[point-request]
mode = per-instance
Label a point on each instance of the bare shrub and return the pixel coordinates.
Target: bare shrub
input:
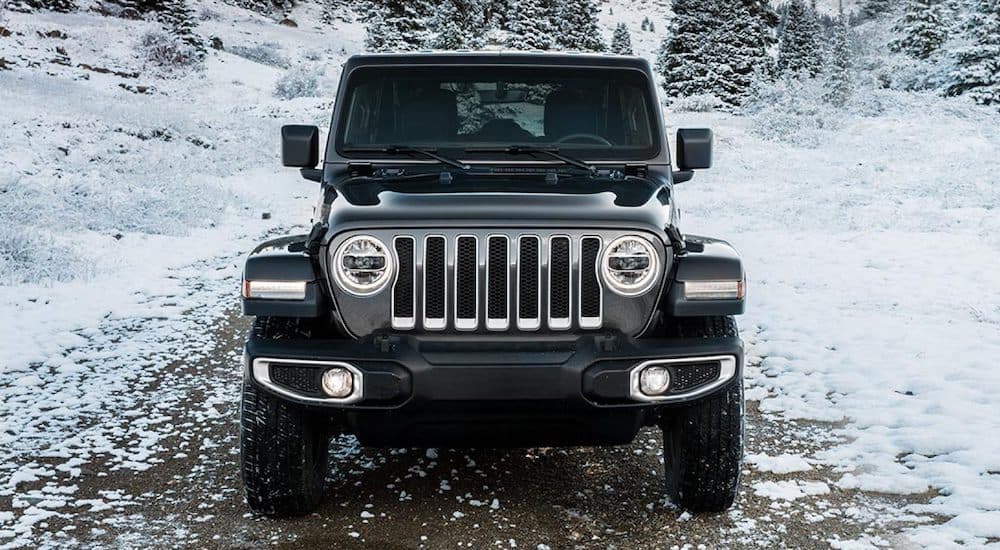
(296, 83)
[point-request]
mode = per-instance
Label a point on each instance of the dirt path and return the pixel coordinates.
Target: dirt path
(189, 492)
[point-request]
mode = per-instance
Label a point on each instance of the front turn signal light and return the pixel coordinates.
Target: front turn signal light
(274, 290)
(714, 290)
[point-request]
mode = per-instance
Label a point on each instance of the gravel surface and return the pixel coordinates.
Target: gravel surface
(187, 490)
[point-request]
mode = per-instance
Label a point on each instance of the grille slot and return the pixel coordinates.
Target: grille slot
(466, 283)
(403, 295)
(529, 274)
(497, 284)
(591, 300)
(559, 283)
(435, 283)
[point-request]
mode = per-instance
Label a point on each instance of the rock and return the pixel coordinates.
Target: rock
(130, 13)
(217, 43)
(288, 22)
(265, 216)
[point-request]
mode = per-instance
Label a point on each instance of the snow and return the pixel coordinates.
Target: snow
(790, 490)
(870, 235)
(872, 258)
(781, 464)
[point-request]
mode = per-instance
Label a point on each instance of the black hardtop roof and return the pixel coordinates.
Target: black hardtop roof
(520, 58)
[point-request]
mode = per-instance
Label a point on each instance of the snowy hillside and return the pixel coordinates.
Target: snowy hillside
(131, 189)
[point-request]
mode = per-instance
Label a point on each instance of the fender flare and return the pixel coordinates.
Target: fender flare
(284, 259)
(705, 259)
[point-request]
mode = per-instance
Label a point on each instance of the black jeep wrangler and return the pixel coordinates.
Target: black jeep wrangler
(494, 262)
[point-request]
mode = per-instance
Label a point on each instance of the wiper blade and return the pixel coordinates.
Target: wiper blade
(552, 152)
(407, 150)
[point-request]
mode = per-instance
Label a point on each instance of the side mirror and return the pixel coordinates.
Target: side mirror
(299, 146)
(694, 152)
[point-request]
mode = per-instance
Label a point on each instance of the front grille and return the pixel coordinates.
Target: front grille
(497, 282)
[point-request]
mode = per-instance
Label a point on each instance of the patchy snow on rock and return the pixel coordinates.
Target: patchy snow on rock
(790, 490)
(780, 464)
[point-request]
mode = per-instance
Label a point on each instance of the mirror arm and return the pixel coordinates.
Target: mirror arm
(312, 174)
(681, 176)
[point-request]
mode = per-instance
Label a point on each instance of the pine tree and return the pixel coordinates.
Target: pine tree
(31, 5)
(717, 48)
(681, 57)
(621, 41)
(922, 28)
(530, 25)
(458, 25)
(397, 25)
(652, 26)
(179, 20)
(838, 80)
(800, 50)
(645, 24)
(872, 9)
(577, 26)
(978, 70)
(333, 10)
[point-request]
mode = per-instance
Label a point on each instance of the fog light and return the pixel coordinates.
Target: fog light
(654, 380)
(338, 382)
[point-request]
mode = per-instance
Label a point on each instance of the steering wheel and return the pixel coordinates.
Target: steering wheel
(592, 137)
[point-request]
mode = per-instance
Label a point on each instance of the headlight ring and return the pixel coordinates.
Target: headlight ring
(630, 265)
(363, 265)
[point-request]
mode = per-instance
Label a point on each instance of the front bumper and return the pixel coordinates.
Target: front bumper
(405, 371)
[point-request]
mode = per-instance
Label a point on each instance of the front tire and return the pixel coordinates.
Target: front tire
(703, 441)
(283, 447)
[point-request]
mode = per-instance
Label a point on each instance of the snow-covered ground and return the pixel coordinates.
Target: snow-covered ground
(874, 273)
(872, 243)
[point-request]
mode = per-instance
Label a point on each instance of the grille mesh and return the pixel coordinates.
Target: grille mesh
(689, 377)
(527, 307)
(559, 291)
(590, 288)
(466, 270)
(304, 380)
(403, 291)
(498, 285)
(434, 270)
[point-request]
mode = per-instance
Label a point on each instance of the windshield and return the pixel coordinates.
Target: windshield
(589, 113)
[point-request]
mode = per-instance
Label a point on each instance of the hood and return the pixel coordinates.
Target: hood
(634, 203)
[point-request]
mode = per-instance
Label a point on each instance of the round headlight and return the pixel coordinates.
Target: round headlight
(630, 265)
(362, 265)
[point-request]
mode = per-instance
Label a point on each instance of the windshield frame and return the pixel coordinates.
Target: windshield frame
(645, 86)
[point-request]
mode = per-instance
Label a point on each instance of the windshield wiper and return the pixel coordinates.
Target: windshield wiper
(407, 150)
(552, 152)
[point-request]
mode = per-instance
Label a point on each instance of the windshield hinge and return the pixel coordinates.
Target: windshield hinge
(356, 169)
(638, 170)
